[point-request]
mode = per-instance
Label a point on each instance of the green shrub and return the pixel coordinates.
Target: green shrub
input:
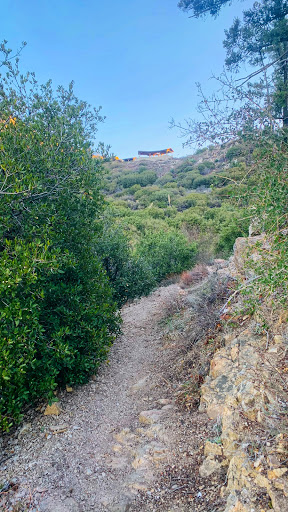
(203, 181)
(187, 180)
(268, 203)
(206, 167)
(170, 184)
(134, 189)
(143, 179)
(191, 200)
(166, 252)
(129, 275)
(227, 237)
(166, 178)
(58, 316)
(234, 152)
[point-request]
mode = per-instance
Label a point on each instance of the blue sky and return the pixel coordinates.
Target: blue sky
(139, 59)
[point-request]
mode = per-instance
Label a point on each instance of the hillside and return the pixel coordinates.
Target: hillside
(196, 195)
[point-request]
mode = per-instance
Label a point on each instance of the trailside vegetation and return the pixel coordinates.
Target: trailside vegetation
(253, 111)
(58, 315)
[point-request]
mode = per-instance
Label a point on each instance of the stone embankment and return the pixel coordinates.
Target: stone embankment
(246, 393)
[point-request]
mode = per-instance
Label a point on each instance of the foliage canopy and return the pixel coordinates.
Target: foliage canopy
(58, 316)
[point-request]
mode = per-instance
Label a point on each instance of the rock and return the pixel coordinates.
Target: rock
(240, 390)
(259, 417)
(149, 417)
(234, 353)
(258, 462)
(278, 339)
(58, 429)
(212, 449)
(282, 484)
(209, 466)
(25, 429)
(282, 443)
(273, 461)
(117, 448)
(246, 248)
(279, 502)
(249, 397)
(262, 481)
(124, 506)
(283, 318)
(52, 410)
(237, 506)
(215, 411)
(155, 431)
(276, 473)
(240, 251)
(139, 385)
(124, 435)
(239, 469)
(220, 364)
(164, 401)
(220, 262)
(273, 350)
(167, 407)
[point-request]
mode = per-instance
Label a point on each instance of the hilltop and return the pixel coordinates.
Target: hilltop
(159, 164)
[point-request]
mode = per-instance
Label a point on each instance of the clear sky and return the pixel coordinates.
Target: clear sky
(139, 59)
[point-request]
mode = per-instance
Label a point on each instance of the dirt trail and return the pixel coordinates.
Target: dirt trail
(109, 456)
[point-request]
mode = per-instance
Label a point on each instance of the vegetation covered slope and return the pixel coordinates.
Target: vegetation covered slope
(194, 196)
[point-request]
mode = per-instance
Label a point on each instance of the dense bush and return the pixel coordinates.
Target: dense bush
(166, 178)
(167, 252)
(206, 167)
(234, 152)
(268, 205)
(143, 178)
(203, 181)
(129, 275)
(190, 200)
(58, 316)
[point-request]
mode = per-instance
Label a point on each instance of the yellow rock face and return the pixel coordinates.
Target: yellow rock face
(276, 473)
(52, 410)
(220, 365)
(212, 449)
(240, 507)
(214, 411)
(234, 353)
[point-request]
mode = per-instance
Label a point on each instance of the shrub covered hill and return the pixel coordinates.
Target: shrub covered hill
(199, 197)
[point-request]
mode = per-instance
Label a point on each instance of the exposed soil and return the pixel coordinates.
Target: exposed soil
(102, 454)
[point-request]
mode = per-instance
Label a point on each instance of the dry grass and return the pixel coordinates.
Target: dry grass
(194, 328)
(190, 277)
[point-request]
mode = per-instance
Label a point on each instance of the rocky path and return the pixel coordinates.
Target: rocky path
(120, 443)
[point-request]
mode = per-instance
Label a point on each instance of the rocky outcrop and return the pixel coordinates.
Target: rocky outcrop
(246, 394)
